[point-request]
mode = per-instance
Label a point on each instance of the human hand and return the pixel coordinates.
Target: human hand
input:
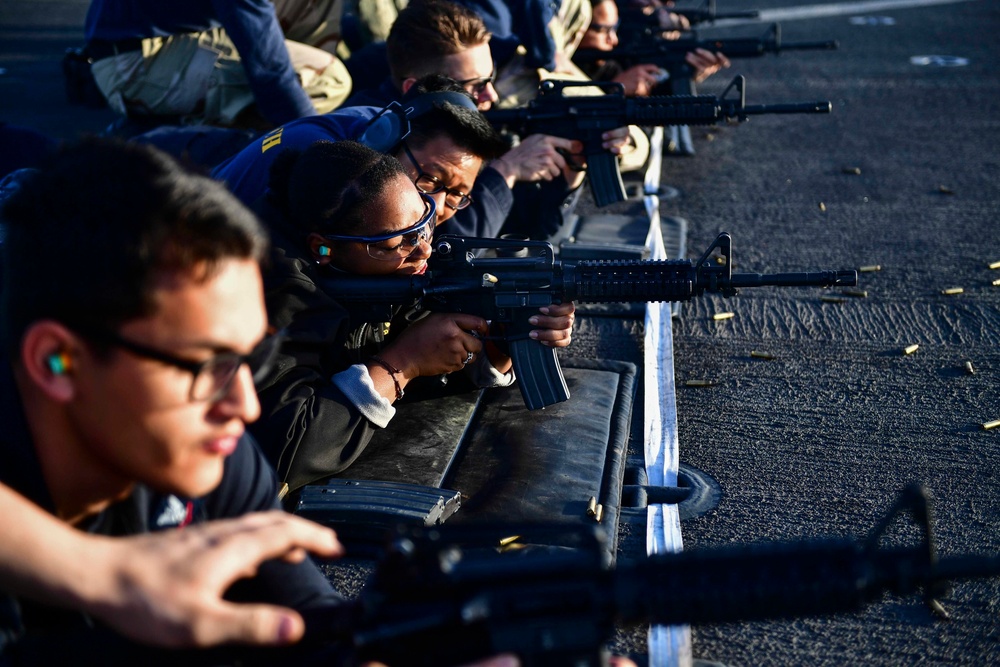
(639, 80)
(670, 21)
(437, 344)
(166, 588)
(555, 325)
(615, 140)
(705, 63)
(539, 157)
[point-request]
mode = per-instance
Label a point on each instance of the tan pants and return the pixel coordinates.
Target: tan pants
(311, 22)
(378, 16)
(200, 78)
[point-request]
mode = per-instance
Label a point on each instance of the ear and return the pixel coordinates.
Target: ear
(407, 84)
(316, 244)
(42, 342)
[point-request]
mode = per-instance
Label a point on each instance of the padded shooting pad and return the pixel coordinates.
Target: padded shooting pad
(631, 230)
(514, 464)
(544, 465)
(419, 443)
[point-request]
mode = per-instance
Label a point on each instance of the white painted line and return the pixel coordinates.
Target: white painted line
(669, 646)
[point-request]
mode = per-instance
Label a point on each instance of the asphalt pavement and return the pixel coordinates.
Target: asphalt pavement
(819, 440)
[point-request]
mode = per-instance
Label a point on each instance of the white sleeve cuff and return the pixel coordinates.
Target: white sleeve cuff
(482, 373)
(356, 384)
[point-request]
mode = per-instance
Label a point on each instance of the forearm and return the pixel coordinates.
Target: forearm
(48, 561)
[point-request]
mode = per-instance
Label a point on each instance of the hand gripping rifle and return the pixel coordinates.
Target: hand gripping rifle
(586, 118)
(445, 596)
(670, 54)
(508, 290)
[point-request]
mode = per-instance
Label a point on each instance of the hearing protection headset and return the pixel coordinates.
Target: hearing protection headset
(392, 124)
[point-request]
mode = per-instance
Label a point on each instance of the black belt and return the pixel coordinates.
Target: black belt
(102, 48)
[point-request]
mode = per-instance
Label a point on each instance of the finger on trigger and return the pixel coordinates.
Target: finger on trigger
(471, 322)
(563, 143)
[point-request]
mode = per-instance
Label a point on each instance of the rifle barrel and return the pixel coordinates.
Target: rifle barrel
(800, 107)
(842, 278)
(673, 280)
(703, 16)
(828, 45)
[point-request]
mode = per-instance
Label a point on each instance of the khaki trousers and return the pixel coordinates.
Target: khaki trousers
(200, 78)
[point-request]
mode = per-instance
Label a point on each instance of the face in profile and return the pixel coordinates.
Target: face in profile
(474, 70)
(141, 419)
(602, 34)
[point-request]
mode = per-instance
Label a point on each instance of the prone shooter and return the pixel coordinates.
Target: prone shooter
(669, 54)
(508, 290)
(586, 118)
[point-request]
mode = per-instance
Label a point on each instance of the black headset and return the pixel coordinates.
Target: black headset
(391, 125)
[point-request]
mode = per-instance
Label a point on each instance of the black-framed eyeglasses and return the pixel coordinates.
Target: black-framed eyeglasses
(477, 85)
(604, 28)
(213, 378)
(409, 238)
(456, 200)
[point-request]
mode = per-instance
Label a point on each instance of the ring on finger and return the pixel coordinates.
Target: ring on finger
(469, 358)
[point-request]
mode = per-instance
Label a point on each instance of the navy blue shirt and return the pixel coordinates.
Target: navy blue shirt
(250, 24)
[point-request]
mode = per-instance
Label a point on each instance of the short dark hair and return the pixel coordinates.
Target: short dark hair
(425, 31)
(90, 233)
(326, 187)
(468, 128)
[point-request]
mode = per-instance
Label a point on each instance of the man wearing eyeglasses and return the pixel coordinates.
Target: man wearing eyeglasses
(539, 171)
(128, 374)
(438, 37)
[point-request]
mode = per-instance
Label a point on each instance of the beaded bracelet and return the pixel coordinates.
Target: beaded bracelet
(392, 371)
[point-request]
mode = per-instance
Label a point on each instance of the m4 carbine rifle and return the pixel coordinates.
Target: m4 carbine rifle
(586, 118)
(508, 290)
(435, 601)
(670, 54)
